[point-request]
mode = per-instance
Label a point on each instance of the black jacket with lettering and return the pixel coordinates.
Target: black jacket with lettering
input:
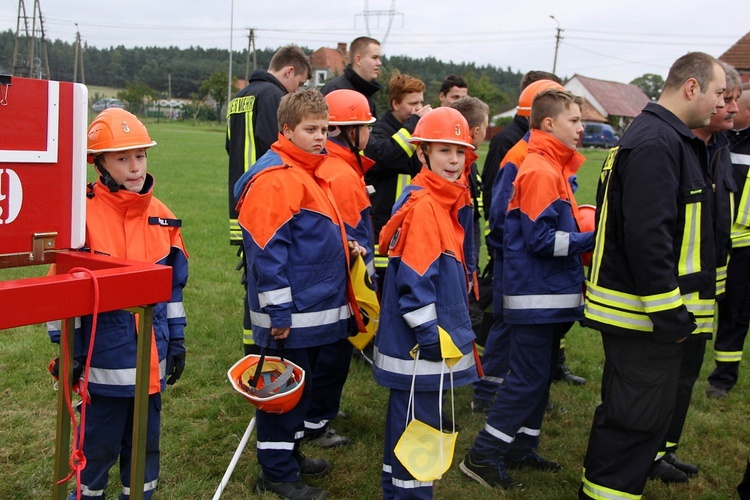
(653, 271)
(253, 127)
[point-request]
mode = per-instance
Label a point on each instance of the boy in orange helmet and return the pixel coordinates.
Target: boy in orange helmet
(119, 205)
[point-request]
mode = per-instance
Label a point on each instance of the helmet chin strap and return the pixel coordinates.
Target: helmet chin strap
(106, 177)
(354, 148)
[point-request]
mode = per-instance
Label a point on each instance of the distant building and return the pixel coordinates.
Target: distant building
(738, 55)
(328, 63)
(616, 103)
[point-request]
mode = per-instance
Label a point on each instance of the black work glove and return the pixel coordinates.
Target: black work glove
(175, 361)
(78, 364)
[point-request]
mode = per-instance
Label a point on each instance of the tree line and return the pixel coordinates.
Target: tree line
(154, 70)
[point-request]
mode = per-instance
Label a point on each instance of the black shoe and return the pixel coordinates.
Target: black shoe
(667, 473)
(293, 491)
(533, 461)
(481, 406)
(312, 467)
(689, 469)
(491, 476)
(563, 373)
(448, 424)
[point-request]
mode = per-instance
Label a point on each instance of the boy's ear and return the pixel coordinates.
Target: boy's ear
(286, 131)
(547, 124)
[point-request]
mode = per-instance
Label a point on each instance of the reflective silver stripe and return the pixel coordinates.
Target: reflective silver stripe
(275, 445)
(86, 492)
(601, 493)
(299, 435)
(740, 159)
(547, 301)
(728, 356)
(57, 324)
(402, 137)
(149, 486)
(387, 468)
(494, 380)
(370, 266)
(406, 366)
(315, 425)
(562, 243)
(498, 434)
(119, 377)
(304, 320)
(421, 316)
(529, 432)
(409, 485)
(275, 297)
(175, 310)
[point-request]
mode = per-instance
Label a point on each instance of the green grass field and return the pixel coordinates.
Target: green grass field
(203, 418)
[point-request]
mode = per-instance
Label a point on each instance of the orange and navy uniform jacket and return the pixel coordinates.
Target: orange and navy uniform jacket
(542, 270)
(135, 226)
(294, 250)
(346, 178)
(425, 286)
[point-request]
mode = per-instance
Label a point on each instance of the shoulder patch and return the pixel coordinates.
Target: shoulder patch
(394, 240)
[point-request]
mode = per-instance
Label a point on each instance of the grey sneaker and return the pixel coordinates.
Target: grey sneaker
(329, 439)
(293, 491)
(716, 392)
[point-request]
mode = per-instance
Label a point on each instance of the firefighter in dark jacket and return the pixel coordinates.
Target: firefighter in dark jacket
(653, 274)
(389, 147)
(361, 74)
(734, 310)
(253, 127)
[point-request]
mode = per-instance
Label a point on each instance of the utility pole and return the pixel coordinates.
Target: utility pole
(30, 66)
(558, 37)
(250, 46)
(78, 58)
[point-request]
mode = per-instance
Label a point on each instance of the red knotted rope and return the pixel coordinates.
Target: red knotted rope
(77, 458)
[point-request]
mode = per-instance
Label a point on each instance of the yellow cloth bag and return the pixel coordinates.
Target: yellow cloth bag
(426, 452)
(367, 299)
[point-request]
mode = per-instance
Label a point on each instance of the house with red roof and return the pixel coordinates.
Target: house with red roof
(328, 63)
(618, 103)
(738, 55)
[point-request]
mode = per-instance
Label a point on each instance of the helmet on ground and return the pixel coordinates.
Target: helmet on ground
(442, 124)
(531, 91)
(279, 386)
(348, 107)
(586, 223)
(115, 129)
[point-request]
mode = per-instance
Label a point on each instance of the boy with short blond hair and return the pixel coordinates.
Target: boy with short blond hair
(542, 290)
(298, 289)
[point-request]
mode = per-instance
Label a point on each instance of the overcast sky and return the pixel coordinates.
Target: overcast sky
(609, 39)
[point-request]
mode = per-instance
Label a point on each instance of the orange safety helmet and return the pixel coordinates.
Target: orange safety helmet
(442, 124)
(586, 223)
(531, 91)
(348, 107)
(279, 386)
(115, 129)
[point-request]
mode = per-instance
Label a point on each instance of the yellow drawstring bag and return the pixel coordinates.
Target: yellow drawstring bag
(426, 452)
(367, 299)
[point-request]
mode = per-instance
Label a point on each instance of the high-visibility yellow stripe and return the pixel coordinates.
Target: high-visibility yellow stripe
(599, 492)
(689, 261)
(603, 211)
(728, 356)
(247, 337)
(741, 226)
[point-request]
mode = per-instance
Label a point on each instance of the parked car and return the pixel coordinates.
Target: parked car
(599, 135)
(107, 102)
